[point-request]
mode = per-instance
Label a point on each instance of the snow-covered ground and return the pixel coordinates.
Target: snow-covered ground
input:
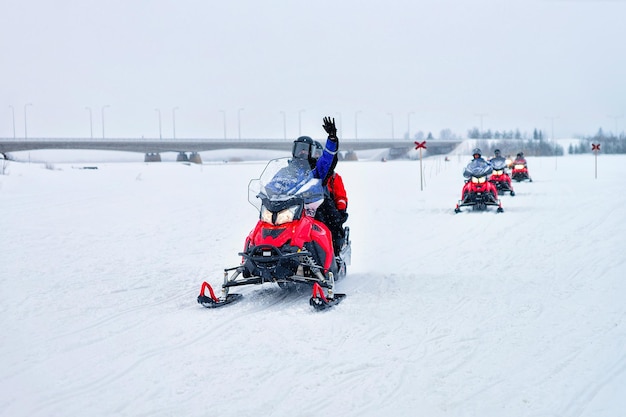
(474, 314)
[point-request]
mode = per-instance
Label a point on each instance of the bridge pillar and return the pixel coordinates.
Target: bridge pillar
(182, 157)
(350, 156)
(152, 157)
(195, 158)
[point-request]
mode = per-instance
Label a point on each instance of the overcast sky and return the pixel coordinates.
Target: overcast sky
(379, 67)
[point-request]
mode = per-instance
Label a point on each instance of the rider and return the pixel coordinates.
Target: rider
(332, 212)
(304, 149)
(497, 155)
(477, 161)
(500, 177)
(519, 159)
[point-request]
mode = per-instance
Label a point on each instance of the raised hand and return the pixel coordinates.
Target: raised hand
(330, 128)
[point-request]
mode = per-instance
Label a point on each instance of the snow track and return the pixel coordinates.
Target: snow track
(477, 313)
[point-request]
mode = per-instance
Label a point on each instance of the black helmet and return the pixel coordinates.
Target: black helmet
(497, 152)
(519, 155)
(477, 151)
(302, 147)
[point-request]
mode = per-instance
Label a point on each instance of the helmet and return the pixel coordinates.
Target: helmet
(318, 149)
(519, 155)
(302, 147)
(496, 152)
(476, 151)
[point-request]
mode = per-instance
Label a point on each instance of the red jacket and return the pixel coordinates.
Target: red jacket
(338, 191)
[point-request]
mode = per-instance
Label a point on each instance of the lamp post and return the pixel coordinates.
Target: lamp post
(159, 112)
(90, 121)
(356, 124)
(239, 123)
(284, 124)
(300, 122)
(102, 112)
(392, 133)
(13, 112)
(224, 113)
(174, 122)
(25, 123)
(408, 128)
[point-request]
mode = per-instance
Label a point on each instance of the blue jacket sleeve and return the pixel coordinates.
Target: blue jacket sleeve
(325, 161)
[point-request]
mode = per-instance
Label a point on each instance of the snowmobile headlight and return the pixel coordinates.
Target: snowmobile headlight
(283, 216)
(287, 215)
(498, 172)
(479, 180)
(519, 166)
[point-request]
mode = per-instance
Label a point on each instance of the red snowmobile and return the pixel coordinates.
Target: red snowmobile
(478, 192)
(520, 170)
(287, 246)
(499, 176)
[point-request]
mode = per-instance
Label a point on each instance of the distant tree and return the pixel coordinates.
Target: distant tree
(446, 134)
(473, 133)
(419, 135)
(430, 136)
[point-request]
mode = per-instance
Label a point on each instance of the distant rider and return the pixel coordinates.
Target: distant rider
(520, 160)
(499, 175)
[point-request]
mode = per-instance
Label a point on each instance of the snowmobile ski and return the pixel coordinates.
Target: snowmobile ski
(319, 301)
(212, 301)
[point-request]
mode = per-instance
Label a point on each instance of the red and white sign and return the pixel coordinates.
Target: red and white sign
(420, 145)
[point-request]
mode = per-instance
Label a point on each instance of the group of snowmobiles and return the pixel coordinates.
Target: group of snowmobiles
(485, 180)
(289, 246)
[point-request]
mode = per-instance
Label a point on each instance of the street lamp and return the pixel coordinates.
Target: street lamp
(26, 124)
(102, 112)
(284, 124)
(356, 124)
(90, 121)
(159, 112)
(408, 128)
(224, 113)
(300, 122)
(13, 111)
(174, 122)
(392, 134)
(239, 123)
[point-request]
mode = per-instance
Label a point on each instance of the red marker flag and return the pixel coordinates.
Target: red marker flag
(420, 145)
(595, 147)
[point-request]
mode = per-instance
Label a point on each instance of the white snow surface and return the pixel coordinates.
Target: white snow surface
(470, 314)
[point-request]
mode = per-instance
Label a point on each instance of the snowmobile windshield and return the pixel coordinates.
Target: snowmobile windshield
(285, 182)
(478, 168)
(498, 163)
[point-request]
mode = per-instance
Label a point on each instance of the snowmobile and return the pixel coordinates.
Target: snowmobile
(287, 246)
(519, 172)
(478, 192)
(500, 178)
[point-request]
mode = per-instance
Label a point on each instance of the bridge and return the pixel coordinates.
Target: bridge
(153, 147)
